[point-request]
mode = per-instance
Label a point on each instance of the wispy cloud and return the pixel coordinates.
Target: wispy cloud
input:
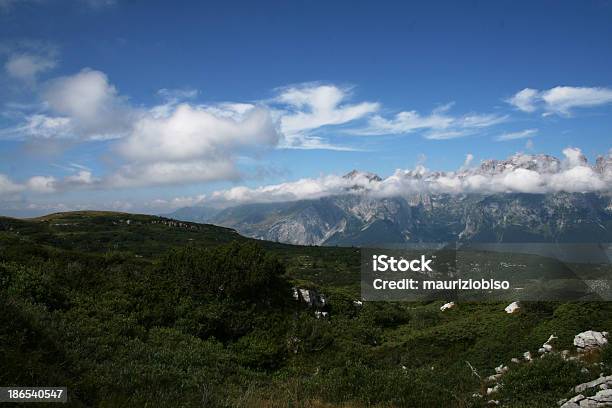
(439, 124)
(309, 107)
(560, 100)
(523, 134)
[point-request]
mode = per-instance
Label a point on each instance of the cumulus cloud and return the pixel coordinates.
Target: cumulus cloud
(439, 124)
(187, 143)
(522, 134)
(92, 105)
(560, 100)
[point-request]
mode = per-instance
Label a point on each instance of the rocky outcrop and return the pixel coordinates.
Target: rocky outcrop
(590, 340)
(602, 398)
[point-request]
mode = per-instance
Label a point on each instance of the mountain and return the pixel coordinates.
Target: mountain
(198, 214)
(361, 220)
(360, 215)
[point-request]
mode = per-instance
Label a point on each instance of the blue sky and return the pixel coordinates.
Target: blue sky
(130, 104)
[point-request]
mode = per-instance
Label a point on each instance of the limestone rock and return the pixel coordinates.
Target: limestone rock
(590, 339)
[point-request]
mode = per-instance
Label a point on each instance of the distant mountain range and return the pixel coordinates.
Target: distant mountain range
(355, 217)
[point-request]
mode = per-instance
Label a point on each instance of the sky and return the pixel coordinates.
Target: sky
(147, 106)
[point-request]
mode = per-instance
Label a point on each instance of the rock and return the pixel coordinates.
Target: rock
(493, 402)
(541, 350)
(311, 297)
(590, 339)
(585, 386)
(603, 398)
(513, 307)
(547, 348)
(492, 390)
(357, 303)
(527, 356)
(551, 338)
(502, 369)
(515, 360)
(494, 378)
(447, 306)
(573, 402)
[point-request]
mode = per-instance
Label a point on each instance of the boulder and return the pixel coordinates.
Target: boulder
(447, 306)
(513, 307)
(590, 340)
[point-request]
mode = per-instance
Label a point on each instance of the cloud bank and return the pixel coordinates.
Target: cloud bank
(521, 173)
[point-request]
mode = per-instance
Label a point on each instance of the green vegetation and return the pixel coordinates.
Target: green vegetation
(131, 310)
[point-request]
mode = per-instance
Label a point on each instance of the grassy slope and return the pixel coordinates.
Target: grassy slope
(355, 358)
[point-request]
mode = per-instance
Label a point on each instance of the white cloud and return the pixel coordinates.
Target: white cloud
(520, 173)
(525, 100)
(469, 158)
(574, 157)
(8, 187)
(26, 67)
(186, 143)
(523, 134)
(560, 100)
(91, 103)
(310, 107)
(42, 184)
(439, 124)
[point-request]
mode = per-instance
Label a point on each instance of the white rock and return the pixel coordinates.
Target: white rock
(590, 339)
(541, 350)
(573, 402)
(494, 377)
(513, 307)
(357, 303)
(551, 338)
(527, 356)
(547, 348)
(515, 360)
(447, 306)
(501, 369)
(585, 386)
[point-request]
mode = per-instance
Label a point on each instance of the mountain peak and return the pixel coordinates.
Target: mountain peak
(356, 173)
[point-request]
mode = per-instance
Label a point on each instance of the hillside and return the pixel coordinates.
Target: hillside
(134, 310)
